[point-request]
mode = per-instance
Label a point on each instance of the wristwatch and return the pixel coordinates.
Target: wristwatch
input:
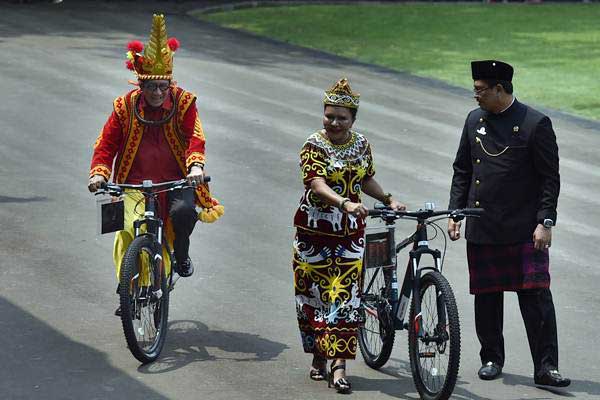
(548, 223)
(387, 199)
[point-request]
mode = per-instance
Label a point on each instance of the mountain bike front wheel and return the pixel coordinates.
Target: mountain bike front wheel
(144, 299)
(435, 354)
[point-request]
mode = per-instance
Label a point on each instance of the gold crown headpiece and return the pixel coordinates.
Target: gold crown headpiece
(342, 95)
(156, 61)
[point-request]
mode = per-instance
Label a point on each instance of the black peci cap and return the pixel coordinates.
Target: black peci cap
(491, 69)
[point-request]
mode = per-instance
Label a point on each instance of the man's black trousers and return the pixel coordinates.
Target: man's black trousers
(182, 210)
(537, 310)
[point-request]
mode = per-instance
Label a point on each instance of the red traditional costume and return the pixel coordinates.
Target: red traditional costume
(140, 142)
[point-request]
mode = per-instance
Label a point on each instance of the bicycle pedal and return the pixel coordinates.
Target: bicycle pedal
(427, 354)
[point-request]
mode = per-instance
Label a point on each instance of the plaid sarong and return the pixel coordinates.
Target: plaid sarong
(497, 268)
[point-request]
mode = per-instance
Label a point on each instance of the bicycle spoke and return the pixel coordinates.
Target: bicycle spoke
(433, 347)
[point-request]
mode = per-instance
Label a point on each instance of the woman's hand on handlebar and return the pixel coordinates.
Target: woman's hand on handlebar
(397, 206)
(453, 229)
(96, 182)
(356, 209)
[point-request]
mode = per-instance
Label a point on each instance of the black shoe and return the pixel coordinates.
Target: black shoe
(118, 311)
(552, 378)
(341, 385)
(489, 371)
(318, 369)
(185, 268)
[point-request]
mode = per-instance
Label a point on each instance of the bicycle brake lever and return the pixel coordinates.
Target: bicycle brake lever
(457, 217)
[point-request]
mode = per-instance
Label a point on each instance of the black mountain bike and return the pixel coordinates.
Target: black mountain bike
(433, 324)
(144, 285)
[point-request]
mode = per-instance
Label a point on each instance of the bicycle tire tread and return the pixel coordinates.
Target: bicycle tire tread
(442, 285)
(127, 269)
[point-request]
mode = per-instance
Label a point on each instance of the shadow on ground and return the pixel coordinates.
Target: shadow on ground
(39, 362)
(191, 341)
(33, 199)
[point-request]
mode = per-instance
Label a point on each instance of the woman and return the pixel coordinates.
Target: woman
(336, 166)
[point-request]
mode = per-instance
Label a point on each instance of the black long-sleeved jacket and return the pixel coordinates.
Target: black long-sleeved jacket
(506, 163)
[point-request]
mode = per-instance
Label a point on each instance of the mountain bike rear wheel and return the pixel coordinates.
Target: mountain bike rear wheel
(144, 299)
(435, 356)
(376, 335)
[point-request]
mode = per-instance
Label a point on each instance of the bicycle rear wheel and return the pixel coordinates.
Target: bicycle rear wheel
(435, 357)
(376, 335)
(144, 308)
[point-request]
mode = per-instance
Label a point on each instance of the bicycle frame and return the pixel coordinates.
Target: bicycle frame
(154, 226)
(412, 278)
(410, 285)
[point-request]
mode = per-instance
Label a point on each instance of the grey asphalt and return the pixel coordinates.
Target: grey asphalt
(233, 332)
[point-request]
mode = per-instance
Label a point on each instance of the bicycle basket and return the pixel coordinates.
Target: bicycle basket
(379, 250)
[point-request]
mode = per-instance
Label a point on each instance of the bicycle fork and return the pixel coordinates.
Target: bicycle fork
(411, 286)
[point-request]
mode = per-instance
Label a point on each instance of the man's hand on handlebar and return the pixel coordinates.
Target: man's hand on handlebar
(453, 229)
(96, 182)
(196, 176)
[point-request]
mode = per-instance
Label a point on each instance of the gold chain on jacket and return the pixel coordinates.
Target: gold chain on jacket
(478, 140)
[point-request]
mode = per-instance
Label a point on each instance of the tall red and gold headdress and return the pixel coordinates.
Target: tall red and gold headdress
(155, 61)
(341, 95)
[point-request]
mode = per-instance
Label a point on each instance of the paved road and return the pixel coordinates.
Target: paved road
(233, 333)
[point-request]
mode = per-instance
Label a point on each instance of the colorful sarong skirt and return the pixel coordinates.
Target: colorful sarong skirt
(327, 283)
(497, 268)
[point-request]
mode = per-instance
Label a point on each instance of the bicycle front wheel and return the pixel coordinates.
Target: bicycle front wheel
(435, 355)
(144, 300)
(376, 334)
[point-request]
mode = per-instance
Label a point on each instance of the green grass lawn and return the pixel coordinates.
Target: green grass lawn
(555, 48)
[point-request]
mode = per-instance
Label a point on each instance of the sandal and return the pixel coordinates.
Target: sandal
(342, 385)
(318, 369)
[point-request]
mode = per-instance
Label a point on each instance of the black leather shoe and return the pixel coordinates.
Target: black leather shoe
(552, 378)
(186, 268)
(489, 371)
(118, 312)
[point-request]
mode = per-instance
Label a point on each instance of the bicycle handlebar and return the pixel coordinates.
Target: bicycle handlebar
(456, 215)
(148, 185)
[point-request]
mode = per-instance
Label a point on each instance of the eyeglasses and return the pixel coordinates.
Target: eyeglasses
(151, 86)
(479, 91)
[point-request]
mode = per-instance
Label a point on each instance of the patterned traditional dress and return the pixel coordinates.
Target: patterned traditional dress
(329, 246)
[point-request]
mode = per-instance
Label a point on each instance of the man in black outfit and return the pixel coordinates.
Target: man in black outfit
(507, 163)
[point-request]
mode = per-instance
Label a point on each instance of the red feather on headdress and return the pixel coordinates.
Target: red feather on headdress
(129, 65)
(135, 46)
(173, 44)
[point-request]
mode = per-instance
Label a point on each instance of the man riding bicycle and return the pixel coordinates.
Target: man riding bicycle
(154, 133)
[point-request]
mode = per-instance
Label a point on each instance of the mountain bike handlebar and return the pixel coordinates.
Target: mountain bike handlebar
(149, 186)
(422, 215)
